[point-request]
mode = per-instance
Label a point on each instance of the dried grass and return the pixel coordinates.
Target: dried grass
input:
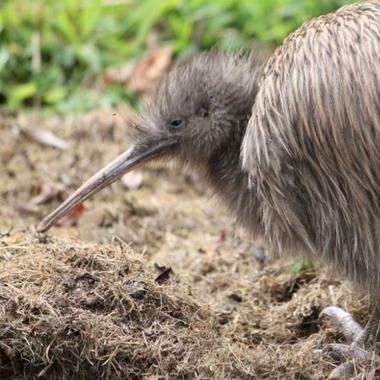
(85, 310)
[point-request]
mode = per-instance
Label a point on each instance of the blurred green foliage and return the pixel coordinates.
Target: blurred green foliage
(301, 266)
(77, 39)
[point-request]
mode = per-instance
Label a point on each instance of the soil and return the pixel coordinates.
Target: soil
(155, 282)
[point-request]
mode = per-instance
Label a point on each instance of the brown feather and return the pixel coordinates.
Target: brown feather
(312, 145)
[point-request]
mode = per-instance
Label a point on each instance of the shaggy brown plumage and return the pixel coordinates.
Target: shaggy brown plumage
(312, 146)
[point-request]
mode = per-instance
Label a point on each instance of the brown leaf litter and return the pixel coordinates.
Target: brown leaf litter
(42, 137)
(142, 75)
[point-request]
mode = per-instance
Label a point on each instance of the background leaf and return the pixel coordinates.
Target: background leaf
(79, 40)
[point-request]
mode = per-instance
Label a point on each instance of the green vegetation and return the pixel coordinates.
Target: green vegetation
(52, 51)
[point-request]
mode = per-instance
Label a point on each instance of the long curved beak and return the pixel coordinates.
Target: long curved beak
(132, 158)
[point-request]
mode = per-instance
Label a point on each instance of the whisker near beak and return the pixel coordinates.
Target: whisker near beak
(127, 161)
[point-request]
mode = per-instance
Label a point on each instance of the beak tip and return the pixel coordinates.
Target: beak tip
(42, 227)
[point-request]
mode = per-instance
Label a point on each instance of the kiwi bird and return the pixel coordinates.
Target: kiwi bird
(291, 145)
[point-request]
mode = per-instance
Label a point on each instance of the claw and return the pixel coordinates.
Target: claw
(341, 352)
(344, 371)
(343, 322)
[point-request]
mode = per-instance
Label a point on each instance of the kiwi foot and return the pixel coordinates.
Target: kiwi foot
(359, 350)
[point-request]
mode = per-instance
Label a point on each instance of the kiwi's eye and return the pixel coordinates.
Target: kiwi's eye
(176, 123)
